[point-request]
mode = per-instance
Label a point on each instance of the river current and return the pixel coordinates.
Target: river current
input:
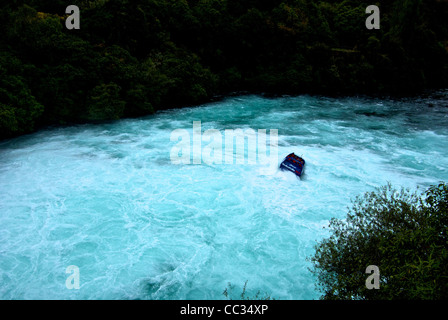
(108, 199)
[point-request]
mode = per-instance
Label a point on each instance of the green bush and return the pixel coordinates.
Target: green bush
(162, 54)
(403, 233)
(105, 103)
(19, 109)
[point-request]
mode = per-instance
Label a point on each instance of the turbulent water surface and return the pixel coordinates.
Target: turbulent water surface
(107, 198)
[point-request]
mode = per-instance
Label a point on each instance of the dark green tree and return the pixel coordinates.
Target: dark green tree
(405, 234)
(105, 103)
(19, 109)
(162, 54)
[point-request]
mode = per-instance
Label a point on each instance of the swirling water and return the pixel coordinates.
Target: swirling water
(107, 199)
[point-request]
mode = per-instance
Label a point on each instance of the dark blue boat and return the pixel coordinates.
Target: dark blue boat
(293, 163)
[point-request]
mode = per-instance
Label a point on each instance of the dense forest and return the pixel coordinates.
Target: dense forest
(132, 58)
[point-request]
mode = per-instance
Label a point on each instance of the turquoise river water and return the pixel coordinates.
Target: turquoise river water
(108, 199)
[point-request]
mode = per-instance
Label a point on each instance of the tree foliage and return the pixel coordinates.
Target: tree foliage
(159, 54)
(405, 234)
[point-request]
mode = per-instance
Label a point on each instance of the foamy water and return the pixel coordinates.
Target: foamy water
(107, 199)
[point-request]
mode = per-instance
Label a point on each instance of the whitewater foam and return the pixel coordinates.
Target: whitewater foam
(107, 198)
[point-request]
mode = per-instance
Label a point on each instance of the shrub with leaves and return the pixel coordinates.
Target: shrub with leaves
(403, 233)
